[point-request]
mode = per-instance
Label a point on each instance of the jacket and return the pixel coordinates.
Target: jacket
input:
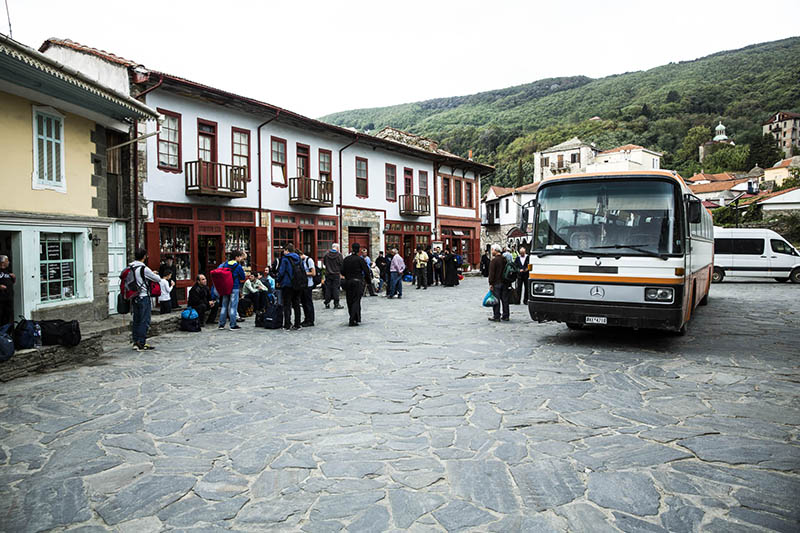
(333, 262)
(522, 264)
(354, 267)
(496, 267)
(421, 260)
(199, 295)
(252, 286)
(285, 270)
(6, 279)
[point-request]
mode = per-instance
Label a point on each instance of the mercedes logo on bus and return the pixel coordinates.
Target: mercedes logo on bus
(597, 292)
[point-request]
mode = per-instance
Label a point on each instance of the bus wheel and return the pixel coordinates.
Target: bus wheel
(795, 275)
(781, 280)
(718, 275)
(574, 325)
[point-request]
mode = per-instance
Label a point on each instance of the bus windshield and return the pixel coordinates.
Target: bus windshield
(623, 217)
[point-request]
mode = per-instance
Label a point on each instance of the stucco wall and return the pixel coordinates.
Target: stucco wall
(16, 138)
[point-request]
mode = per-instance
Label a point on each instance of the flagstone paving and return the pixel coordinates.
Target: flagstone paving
(427, 417)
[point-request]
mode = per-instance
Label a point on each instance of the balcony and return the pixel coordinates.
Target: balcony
(310, 192)
(207, 178)
(489, 220)
(415, 205)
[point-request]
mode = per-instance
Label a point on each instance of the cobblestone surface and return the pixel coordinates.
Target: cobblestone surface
(425, 418)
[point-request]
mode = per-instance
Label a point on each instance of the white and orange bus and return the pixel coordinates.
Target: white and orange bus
(633, 249)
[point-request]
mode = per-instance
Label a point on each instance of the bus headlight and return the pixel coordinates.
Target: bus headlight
(659, 294)
(544, 289)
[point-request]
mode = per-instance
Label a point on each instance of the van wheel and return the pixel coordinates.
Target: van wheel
(718, 275)
(795, 275)
(574, 325)
(781, 280)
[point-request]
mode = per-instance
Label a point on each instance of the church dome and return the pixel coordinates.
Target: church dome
(720, 129)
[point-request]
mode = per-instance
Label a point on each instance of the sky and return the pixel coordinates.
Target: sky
(319, 57)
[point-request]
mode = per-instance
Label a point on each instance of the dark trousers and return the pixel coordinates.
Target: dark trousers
(522, 285)
(332, 285)
(354, 288)
(437, 273)
(202, 309)
(140, 308)
(502, 292)
(165, 308)
(6, 312)
(422, 277)
(259, 300)
(369, 287)
(291, 301)
(308, 305)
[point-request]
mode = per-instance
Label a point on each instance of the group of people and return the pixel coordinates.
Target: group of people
(506, 285)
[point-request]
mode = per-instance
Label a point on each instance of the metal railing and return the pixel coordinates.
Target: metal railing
(311, 192)
(208, 178)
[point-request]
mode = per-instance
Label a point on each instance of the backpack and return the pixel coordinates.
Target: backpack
(299, 276)
(316, 278)
(273, 317)
(6, 343)
(459, 260)
(189, 314)
(24, 334)
(222, 278)
(191, 325)
(63, 332)
(510, 272)
(129, 290)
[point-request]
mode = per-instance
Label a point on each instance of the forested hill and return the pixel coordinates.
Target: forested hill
(671, 108)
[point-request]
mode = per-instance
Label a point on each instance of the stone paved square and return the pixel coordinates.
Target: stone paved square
(425, 418)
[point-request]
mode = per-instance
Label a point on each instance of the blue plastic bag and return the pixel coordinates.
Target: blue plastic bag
(490, 300)
(189, 314)
(408, 277)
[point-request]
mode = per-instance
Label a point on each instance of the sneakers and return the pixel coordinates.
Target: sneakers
(143, 347)
(221, 327)
(493, 319)
(235, 327)
(339, 307)
(327, 306)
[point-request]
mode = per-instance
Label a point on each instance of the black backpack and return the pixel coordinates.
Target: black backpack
(273, 317)
(24, 334)
(191, 325)
(299, 276)
(6, 342)
(63, 332)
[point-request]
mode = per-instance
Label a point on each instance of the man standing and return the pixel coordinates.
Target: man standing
(396, 269)
(485, 259)
(522, 261)
(421, 268)
(333, 276)
(497, 285)
(200, 300)
(290, 297)
(140, 277)
(355, 271)
(230, 302)
(383, 269)
(7, 280)
(306, 296)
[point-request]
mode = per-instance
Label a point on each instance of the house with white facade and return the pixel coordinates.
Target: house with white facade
(575, 156)
(628, 157)
(785, 127)
(502, 209)
(227, 172)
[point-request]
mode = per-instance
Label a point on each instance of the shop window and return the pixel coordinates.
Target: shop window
(209, 213)
(176, 242)
(326, 222)
(325, 239)
(239, 216)
(280, 238)
(393, 241)
(57, 266)
(284, 219)
(48, 150)
(278, 161)
(238, 239)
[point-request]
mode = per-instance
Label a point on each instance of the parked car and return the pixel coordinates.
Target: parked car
(754, 253)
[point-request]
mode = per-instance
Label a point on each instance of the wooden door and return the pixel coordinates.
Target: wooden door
(207, 154)
(209, 254)
(409, 251)
(362, 239)
(116, 262)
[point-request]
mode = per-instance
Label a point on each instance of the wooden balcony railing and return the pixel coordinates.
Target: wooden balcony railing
(310, 192)
(206, 178)
(415, 205)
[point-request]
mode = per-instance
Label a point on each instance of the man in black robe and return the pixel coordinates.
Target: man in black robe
(354, 272)
(450, 269)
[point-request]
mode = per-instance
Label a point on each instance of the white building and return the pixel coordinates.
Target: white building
(785, 127)
(501, 214)
(628, 157)
(575, 156)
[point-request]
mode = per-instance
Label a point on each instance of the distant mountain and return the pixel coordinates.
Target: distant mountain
(654, 108)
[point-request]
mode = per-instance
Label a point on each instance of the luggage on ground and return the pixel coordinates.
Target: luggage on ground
(245, 307)
(273, 316)
(261, 319)
(6, 342)
(190, 320)
(63, 332)
(24, 334)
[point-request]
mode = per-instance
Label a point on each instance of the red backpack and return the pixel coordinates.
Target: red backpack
(131, 290)
(222, 279)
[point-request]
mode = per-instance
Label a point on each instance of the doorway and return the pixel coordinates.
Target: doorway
(408, 250)
(116, 262)
(208, 253)
(10, 245)
(307, 242)
(361, 236)
(207, 153)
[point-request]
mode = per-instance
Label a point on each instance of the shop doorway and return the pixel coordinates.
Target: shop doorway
(408, 251)
(208, 253)
(307, 242)
(10, 246)
(361, 236)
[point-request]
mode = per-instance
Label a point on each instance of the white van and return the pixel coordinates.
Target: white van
(754, 253)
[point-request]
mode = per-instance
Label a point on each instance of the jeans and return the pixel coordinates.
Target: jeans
(501, 291)
(422, 277)
(228, 308)
(141, 308)
(396, 284)
(332, 284)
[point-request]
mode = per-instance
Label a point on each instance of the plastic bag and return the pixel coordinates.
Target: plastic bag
(490, 300)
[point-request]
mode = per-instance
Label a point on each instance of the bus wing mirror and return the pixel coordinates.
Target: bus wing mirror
(695, 211)
(523, 220)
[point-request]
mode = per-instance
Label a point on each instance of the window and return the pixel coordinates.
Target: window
(240, 143)
(560, 160)
(723, 246)
(206, 140)
(362, 177)
(325, 239)
(278, 161)
(303, 160)
(169, 142)
(468, 194)
(48, 150)
(325, 165)
(506, 205)
(445, 191)
(545, 161)
(575, 158)
(423, 183)
(781, 247)
(408, 181)
(176, 242)
(391, 182)
(280, 238)
(57, 266)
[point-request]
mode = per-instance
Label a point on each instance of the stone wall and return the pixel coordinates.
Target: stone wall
(362, 218)
(27, 361)
(495, 234)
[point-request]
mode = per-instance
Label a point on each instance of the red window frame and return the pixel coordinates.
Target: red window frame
(273, 162)
(306, 156)
(408, 181)
(177, 169)
(423, 178)
(458, 193)
(468, 194)
(326, 176)
(234, 131)
(365, 178)
(445, 191)
(214, 147)
(393, 196)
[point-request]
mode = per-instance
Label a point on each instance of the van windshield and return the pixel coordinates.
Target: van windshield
(626, 217)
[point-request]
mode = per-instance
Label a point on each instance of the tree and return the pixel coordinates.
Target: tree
(520, 174)
(673, 96)
(727, 158)
(693, 139)
(764, 152)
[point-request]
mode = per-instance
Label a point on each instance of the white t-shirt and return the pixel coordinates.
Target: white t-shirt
(165, 288)
(308, 265)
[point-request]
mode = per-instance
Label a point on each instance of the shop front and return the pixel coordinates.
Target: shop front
(463, 238)
(199, 238)
(406, 236)
(314, 234)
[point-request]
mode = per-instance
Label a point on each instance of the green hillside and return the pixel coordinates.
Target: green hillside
(672, 109)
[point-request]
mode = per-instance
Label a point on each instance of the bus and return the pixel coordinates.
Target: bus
(630, 249)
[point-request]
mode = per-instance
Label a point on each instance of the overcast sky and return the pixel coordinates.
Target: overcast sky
(318, 57)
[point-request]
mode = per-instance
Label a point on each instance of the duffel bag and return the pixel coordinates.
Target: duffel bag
(6, 343)
(273, 317)
(191, 325)
(261, 319)
(63, 332)
(24, 333)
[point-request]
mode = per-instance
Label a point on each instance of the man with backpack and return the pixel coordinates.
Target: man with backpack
(291, 281)
(499, 285)
(138, 282)
(306, 299)
(230, 302)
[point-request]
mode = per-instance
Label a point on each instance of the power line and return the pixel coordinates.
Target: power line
(8, 14)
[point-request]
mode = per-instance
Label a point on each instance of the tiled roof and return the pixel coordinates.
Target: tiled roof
(501, 191)
(710, 204)
(722, 176)
(767, 196)
(570, 144)
(530, 187)
(790, 162)
(716, 186)
(783, 114)
(625, 148)
(102, 54)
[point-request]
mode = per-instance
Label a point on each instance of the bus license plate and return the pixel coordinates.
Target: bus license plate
(596, 320)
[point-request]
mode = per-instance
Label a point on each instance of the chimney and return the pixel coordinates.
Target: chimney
(470, 155)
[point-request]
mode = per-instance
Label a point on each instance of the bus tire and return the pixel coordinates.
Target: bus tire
(795, 275)
(718, 275)
(781, 280)
(574, 326)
